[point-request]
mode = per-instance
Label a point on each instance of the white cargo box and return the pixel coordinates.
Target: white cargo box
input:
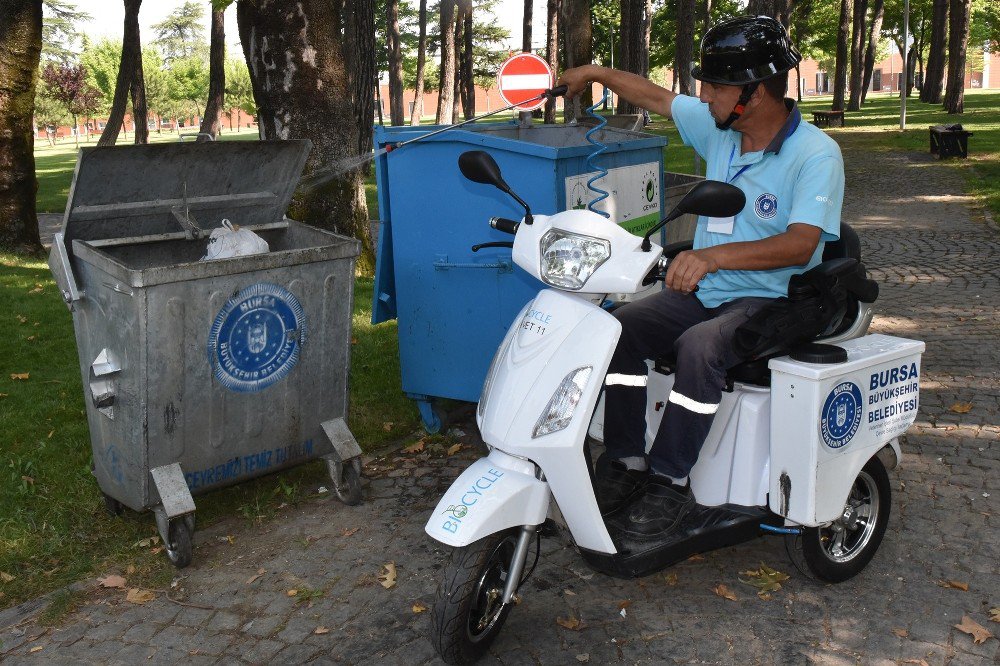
(829, 419)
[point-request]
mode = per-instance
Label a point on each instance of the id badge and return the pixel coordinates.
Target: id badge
(721, 225)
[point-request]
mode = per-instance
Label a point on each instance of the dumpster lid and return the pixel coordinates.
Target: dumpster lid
(145, 190)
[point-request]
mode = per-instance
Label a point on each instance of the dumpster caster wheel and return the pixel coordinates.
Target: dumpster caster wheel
(181, 547)
(348, 486)
(113, 506)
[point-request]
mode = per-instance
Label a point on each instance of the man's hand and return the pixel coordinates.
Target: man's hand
(576, 80)
(688, 268)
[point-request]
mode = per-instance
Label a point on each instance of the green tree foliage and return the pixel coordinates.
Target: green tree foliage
(488, 52)
(239, 90)
(101, 60)
(182, 35)
(61, 38)
(985, 26)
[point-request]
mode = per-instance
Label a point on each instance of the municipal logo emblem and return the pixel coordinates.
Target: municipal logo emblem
(256, 338)
(841, 415)
(766, 206)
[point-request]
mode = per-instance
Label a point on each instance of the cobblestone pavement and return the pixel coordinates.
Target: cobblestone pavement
(938, 265)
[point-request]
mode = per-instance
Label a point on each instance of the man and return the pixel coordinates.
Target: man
(793, 177)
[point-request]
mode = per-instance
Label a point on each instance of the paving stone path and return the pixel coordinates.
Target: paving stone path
(939, 267)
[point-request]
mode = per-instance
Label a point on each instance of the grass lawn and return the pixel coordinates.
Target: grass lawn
(53, 527)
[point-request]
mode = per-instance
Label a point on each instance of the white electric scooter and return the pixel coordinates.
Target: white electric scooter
(800, 449)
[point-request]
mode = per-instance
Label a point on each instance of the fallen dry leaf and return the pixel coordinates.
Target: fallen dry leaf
(902, 633)
(6, 577)
(253, 579)
(570, 593)
(583, 658)
(22, 319)
(697, 557)
(146, 543)
(765, 579)
(292, 593)
(570, 623)
(37, 648)
(19, 376)
(995, 615)
(954, 584)
(113, 582)
(978, 632)
(348, 532)
(387, 578)
(137, 596)
(36, 290)
(919, 662)
(387, 426)
(418, 607)
(961, 407)
(670, 579)
(415, 448)
(455, 448)
(724, 592)
(319, 631)
(129, 570)
(622, 605)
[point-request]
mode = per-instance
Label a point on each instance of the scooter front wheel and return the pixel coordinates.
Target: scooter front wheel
(841, 550)
(469, 611)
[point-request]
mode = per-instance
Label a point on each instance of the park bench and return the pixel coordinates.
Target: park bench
(949, 141)
(824, 117)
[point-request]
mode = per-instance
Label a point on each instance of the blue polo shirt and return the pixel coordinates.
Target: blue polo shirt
(797, 178)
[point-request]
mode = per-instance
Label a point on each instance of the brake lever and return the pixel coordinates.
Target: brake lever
(480, 246)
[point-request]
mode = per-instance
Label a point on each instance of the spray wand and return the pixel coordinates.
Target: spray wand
(558, 91)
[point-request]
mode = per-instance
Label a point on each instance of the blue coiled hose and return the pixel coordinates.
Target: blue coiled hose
(591, 159)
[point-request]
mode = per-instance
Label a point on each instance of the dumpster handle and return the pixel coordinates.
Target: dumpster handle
(499, 266)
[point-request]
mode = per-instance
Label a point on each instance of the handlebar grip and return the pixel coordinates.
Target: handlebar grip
(504, 225)
(558, 91)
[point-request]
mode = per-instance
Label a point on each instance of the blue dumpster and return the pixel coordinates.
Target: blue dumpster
(454, 305)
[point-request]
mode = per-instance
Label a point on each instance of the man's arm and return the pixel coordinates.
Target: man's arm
(639, 91)
(793, 247)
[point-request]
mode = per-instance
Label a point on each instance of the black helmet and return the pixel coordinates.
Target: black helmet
(745, 50)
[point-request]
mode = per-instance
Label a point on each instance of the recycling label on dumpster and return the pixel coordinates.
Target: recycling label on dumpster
(634, 201)
(256, 338)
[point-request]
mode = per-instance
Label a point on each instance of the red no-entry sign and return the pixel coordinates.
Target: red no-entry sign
(523, 77)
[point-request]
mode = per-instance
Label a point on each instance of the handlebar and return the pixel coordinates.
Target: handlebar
(505, 225)
(558, 91)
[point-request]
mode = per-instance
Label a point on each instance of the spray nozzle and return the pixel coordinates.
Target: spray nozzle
(558, 91)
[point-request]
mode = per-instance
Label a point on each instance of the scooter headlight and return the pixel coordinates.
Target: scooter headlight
(568, 259)
(559, 412)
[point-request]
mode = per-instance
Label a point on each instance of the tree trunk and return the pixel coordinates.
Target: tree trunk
(873, 37)
(312, 72)
(446, 87)
(20, 50)
(456, 98)
(857, 54)
(578, 45)
(911, 67)
(840, 70)
(526, 26)
(358, 20)
(468, 75)
(958, 39)
(396, 114)
(418, 98)
(211, 122)
(131, 58)
(930, 90)
(779, 9)
(140, 111)
(685, 45)
(552, 51)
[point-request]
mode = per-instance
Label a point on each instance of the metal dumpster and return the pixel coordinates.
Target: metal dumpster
(454, 305)
(675, 186)
(199, 374)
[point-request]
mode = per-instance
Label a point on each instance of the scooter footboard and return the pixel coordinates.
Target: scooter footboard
(495, 493)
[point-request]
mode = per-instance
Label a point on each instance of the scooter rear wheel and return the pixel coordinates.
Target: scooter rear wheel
(469, 611)
(841, 550)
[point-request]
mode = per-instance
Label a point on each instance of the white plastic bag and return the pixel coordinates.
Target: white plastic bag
(231, 241)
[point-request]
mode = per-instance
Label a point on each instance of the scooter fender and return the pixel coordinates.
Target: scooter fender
(494, 494)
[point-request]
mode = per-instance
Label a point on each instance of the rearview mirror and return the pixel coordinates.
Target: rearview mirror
(478, 166)
(711, 198)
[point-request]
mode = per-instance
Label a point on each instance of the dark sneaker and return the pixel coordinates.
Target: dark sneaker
(617, 485)
(660, 510)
